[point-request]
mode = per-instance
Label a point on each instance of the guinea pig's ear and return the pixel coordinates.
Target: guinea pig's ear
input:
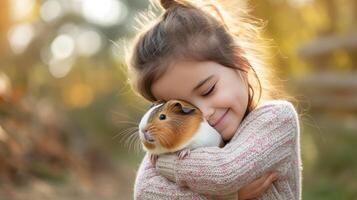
(185, 109)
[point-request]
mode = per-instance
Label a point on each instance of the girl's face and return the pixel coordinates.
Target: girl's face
(218, 91)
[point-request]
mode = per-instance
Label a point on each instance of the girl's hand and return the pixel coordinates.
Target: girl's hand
(257, 187)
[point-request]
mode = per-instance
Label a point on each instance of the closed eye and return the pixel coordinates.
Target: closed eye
(209, 91)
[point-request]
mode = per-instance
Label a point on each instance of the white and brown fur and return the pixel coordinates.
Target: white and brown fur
(183, 129)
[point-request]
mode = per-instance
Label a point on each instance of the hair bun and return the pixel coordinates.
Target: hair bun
(166, 4)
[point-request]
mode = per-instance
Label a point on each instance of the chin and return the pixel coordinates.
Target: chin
(229, 132)
(227, 135)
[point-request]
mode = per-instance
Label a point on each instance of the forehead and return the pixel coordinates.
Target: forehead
(180, 79)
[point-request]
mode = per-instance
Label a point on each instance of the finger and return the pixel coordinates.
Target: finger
(259, 186)
(153, 159)
(268, 183)
(260, 181)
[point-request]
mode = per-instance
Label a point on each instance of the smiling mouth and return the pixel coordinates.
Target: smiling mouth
(221, 118)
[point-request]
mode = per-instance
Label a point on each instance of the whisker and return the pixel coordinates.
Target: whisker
(128, 142)
(123, 132)
(137, 144)
(124, 135)
(127, 122)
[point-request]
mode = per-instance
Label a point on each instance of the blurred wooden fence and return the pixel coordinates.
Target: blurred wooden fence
(330, 91)
(328, 87)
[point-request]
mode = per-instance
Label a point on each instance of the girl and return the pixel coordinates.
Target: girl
(195, 53)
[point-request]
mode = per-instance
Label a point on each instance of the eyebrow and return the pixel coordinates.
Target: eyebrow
(202, 82)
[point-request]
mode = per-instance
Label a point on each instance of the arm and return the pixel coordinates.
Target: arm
(263, 142)
(150, 185)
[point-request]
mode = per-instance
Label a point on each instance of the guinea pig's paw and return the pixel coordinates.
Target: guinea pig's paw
(153, 159)
(183, 153)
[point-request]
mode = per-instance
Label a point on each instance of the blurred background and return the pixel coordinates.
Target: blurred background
(65, 103)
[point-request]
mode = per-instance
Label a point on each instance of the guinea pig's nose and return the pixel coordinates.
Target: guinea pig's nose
(148, 136)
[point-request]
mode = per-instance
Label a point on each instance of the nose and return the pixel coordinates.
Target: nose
(206, 110)
(148, 137)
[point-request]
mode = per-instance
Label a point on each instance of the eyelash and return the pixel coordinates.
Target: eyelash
(210, 90)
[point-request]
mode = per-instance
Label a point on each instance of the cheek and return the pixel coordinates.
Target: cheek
(238, 102)
(231, 129)
(234, 98)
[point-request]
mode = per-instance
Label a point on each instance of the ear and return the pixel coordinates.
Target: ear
(185, 109)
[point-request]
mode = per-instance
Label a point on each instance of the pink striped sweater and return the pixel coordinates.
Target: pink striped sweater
(267, 140)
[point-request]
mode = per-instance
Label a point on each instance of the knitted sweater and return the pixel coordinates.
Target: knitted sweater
(266, 140)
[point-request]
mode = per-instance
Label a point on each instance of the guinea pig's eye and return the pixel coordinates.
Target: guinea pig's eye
(162, 117)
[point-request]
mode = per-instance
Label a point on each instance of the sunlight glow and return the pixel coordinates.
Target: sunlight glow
(299, 3)
(104, 12)
(21, 9)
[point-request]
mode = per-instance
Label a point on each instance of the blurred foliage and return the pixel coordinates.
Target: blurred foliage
(65, 100)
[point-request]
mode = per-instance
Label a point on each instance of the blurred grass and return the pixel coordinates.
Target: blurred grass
(333, 173)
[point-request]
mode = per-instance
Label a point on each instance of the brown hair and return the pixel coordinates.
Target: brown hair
(200, 32)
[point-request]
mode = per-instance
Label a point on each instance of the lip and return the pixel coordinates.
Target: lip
(145, 137)
(215, 125)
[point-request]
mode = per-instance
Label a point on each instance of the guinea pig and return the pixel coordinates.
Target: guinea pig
(175, 126)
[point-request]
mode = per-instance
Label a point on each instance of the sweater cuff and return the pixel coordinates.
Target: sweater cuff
(165, 165)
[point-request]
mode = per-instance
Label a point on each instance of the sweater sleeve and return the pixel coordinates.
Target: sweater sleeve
(151, 185)
(263, 142)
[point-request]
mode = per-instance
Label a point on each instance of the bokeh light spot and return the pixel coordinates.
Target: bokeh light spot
(20, 36)
(88, 43)
(50, 10)
(60, 68)
(62, 46)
